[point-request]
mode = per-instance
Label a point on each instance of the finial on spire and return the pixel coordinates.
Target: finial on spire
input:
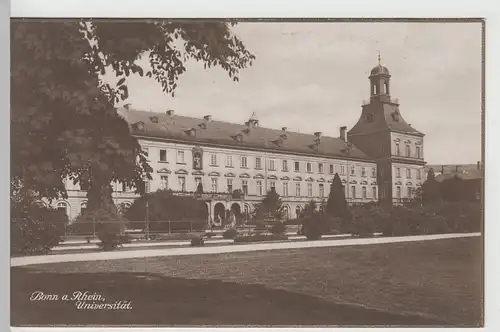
(378, 57)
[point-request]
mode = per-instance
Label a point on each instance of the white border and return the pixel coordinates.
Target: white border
(318, 9)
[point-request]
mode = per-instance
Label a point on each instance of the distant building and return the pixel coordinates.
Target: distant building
(237, 164)
(471, 174)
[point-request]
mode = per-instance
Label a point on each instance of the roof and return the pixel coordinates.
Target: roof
(379, 70)
(176, 127)
(386, 117)
(465, 172)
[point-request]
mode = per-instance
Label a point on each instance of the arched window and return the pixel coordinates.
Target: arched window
(363, 191)
(83, 207)
(353, 191)
(297, 212)
(62, 206)
(386, 88)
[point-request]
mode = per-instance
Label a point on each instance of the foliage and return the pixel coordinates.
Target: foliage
(270, 208)
(313, 228)
(431, 192)
(231, 233)
(278, 228)
(63, 120)
(35, 228)
(260, 238)
(337, 204)
(186, 213)
(197, 241)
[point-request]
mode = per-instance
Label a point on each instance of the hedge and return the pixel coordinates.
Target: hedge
(260, 238)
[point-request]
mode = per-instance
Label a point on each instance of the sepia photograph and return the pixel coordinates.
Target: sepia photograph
(246, 172)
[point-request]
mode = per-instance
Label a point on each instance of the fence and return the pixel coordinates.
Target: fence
(91, 227)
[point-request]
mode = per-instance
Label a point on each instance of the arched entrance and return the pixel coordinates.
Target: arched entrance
(219, 214)
(236, 213)
(286, 212)
(297, 212)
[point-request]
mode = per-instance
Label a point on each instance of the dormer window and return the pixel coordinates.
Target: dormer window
(246, 130)
(139, 126)
(238, 138)
(190, 132)
(203, 125)
(154, 119)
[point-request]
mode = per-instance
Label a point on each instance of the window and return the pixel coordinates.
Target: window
(342, 170)
(180, 157)
(407, 150)
(215, 185)
(353, 192)
(259, 188)
(363, 172)
(146, 186)
(409, 191)
(272, 166)
(297, 166)
(309, 189)
(398, 192)
(83, 207)
(244, 186)
(197, 181)
(297, 189)
(164, 182)
(418, 152)
(62, 206)
(163, 155)
(308, 168)
(353, 170)
(273, 185)
(397, 149)
(230, 185)
(398, 172)
(363, 192)
(321, 190)
(258, 163)
(374, 172)
(419, 174)
(213, 159)
(285, 189)
(332, 169)
(182, 183)
(374, 192)
(244, 162)
(229, 161)
(320, 168)
(408, 173)
(285, 165)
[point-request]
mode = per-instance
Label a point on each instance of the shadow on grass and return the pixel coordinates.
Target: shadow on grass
(168, 301)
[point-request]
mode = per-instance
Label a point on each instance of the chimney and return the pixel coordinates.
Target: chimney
(456, 168)
(318, 134)
(170, 112)
(126, 106)
(343, 131)
(207, 118)
(284, 129)
(479, 165)
(442, 169)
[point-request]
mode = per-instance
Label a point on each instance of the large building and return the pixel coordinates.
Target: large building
(380, 158)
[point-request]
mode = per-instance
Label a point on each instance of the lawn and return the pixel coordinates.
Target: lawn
(415, 283)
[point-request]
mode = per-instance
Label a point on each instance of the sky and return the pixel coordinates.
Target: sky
(312, 76)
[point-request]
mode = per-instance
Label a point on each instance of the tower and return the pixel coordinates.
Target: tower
(383, 134)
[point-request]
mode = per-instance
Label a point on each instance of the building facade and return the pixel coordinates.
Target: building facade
(237, 164)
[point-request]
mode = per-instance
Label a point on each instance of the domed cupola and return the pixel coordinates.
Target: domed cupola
(379, 83)
(379, 70)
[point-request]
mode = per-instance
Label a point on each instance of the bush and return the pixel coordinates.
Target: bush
(278, 229)
(260, 238)
(36, 229)
(230, 233)
(293, 222)
(197, 241)
(210, 234)
(313, 228)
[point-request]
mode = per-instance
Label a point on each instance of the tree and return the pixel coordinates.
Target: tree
(431, 192)
(63, 120)
(164, 206)
(336, 205)
(270, 207)
(453, 190)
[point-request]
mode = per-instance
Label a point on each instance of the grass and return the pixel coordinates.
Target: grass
(416, 283)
